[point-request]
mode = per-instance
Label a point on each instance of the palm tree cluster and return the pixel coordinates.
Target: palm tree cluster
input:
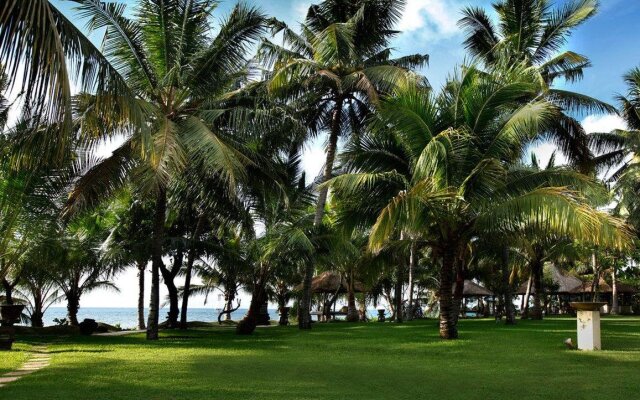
(422, 188)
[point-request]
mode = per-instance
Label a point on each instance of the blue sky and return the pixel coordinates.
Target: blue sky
(610, 39)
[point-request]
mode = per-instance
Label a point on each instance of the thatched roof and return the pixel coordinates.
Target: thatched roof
(565, 283)
(331, 282)
(472, 289)
(604, 287)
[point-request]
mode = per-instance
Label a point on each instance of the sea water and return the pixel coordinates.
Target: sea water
(128, 317)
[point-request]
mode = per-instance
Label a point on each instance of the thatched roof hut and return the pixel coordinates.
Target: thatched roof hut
(331, 282)
(604, 287)
(565, 283)
(472, 289)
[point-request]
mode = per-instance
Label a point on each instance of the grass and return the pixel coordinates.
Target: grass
(11, 360)
(343, 361)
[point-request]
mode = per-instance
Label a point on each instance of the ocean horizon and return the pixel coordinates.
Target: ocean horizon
(127, 317)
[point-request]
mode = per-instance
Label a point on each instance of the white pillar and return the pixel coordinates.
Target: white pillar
(589, 330)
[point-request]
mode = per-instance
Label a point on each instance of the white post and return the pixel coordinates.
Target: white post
(589, 330)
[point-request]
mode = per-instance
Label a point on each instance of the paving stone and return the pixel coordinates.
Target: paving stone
(7, 379)
(19, 373)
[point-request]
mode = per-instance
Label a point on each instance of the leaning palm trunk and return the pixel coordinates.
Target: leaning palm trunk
(258, 297)
(304, 317)
(448, 328)
(141, 268)
(158, 238)
(525, 299)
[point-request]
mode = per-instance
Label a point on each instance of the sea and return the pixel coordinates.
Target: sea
(127, 318)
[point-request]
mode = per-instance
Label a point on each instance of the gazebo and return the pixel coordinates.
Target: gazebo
(586, 289)
(475, 291)
(331, 284)
(564, 284)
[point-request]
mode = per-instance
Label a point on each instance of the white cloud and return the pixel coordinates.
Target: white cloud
(603, 123)
(434, 18)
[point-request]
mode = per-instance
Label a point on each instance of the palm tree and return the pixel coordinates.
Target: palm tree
(534, 33)
(128, 242)
(39, 43)
(36, 284)
(440, 167)
(334, 72)
(175, 72)
(77, 265)
(287, 241)
(618, 152)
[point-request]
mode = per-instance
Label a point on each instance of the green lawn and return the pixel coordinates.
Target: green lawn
(10, 360)
(343, 361)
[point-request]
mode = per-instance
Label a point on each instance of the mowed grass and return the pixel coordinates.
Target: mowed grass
(343, 361)
(11, 360)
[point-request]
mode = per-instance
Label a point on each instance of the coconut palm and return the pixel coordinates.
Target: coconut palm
(45, 48)
(334, 72)
(36, 285)
(534, 33)
(176, 71)
(441, 168)
(128, 241)
(619, 152)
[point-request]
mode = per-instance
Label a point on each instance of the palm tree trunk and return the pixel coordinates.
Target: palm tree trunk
(156, 262)
(412, 263)
(141, 270)
(187, 279)
(304, 316)
(448, 328)
(398, 292)
(536, 270)
(73, 305)
(38, 304)
(458, 291)
(525, 299)
(172, 289)
(595, 285)
(352, 311)
(8, 291)
(614, 291)
(510, 313)
(248, 324)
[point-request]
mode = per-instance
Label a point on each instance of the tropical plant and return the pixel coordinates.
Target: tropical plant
(534, 33)
(334, 72)
(459, 177)
(174, 72)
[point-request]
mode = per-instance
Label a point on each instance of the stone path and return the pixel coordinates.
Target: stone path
(39, 359)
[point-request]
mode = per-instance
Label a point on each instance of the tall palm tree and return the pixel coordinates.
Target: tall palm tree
(440, 167)
(334, 72)
(175, 72)
(618, 152)
(534, 33)
(128, 242)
